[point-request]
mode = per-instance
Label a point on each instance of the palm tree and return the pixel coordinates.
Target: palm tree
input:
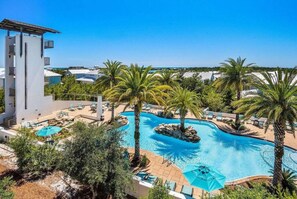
(289, 178)
(277, 101)
(111, 72)
(234, 75)
(136, 86)
(184, 100)
(167, 77)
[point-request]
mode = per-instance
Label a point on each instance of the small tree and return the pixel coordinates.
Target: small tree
(95, 158)
(33, 159)
(159, 191)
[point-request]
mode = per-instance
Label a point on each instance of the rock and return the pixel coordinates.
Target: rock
(122, 120)
(190, 135)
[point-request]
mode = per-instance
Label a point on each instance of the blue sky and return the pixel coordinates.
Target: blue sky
(163, 32)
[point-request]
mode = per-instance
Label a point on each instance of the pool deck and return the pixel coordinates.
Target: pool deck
(166, 171)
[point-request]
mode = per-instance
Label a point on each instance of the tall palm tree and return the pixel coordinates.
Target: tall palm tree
(234, 76)
(111, 73)
(167, 77)
(184, 100)
(277, 101)
(136, 86)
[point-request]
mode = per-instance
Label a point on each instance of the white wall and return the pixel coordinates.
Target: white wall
(141, 189)
(35, 79)
(5, 135)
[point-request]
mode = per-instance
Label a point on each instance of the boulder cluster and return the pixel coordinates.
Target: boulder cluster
(190, 134)
(122, 120)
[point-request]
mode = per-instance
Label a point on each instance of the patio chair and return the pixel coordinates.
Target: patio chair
(261, 124)
(71, 107)
(170, 185)
(220, 117)
(210, 115)
(126, 154)
(187, 191)
(93, 106)
(80, 107)
(177, 112)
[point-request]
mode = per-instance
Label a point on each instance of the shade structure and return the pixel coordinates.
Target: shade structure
(204, 177)
(48, 131)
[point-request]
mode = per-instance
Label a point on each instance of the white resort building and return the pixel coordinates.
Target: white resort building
(25, 75)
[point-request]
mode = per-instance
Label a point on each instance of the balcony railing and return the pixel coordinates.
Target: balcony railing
(12, 71)
(47, 61)
(48, 44)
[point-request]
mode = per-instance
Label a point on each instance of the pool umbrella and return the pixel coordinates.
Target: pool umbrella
(204, 177)
(48, 131)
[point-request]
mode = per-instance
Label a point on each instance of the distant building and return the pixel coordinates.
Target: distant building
(85, 75)
(210, 75)
(50, 78)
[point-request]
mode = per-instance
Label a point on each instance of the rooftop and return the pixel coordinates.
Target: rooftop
(18, 26)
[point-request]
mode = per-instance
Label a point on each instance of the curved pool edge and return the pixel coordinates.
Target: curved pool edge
(223, 130)
(227, 183)
(232, 181)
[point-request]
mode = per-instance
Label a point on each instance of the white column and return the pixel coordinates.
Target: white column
(99, 107)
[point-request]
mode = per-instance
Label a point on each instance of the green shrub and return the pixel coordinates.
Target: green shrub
(159, 191)
(144, 161)
(5, 185)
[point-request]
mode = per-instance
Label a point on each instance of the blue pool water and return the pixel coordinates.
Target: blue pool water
(234, 156)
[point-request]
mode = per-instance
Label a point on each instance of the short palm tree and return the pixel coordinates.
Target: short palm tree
(184, 100)
(167, 77)
(111, 72)
(234, 76)
(289, 178)
(277, 101)
(136, 86)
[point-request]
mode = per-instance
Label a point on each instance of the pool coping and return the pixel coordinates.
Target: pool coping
(237, 181)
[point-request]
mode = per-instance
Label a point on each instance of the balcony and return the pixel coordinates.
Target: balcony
(11, 50)
(12, 71)
(11, 92)
(47, 61)
(48, 44)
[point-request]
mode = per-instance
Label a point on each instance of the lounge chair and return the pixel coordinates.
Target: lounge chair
(210, 115)
(151, 179)
(219, 117)
(170, 185)
(71, 108)
(187, 191)
(142, 174)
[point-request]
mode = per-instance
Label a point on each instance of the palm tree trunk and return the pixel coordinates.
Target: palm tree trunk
(112, 112)
(237, 120)
(182, 123)
(279, 136)
(137, 133)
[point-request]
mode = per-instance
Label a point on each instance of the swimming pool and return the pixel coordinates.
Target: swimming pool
(234, 156)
